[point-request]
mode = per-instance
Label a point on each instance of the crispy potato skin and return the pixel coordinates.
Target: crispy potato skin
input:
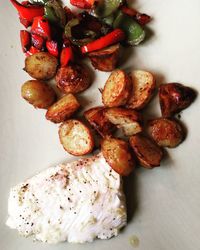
(148, 153)
(166, 132)
(41, 66)
(143, 88)
(38, 93)
(127, 119)
(98, 121)
(117, 154)
(175, 97)
(117, 89)
(76, 138)
(73, 78)
(105, 59)
(63, 109)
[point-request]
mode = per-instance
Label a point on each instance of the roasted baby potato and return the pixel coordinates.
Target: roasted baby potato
(117, 154)
(38, 93)
(98, 121)
(117, 89)
(73, 78)
(142, 90)
(148, 153)
(63, 109)
(76, 138)
(175, 97)
(105, 59)
(41, 66)
(126, 119)
(166, 132)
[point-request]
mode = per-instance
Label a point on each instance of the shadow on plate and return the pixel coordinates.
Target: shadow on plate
(131, 193)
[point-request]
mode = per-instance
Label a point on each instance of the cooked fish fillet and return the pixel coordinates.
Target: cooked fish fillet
(75, 202)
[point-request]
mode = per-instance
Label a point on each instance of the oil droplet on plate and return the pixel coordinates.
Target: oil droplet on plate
(134, 241)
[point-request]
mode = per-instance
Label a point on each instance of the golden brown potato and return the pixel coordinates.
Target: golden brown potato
(142, 90)
(148, 153)
(175, 97)
(63, 109)
(117, 154)
(117, 89)
(126, 119)
(76, 138)
(41, 66)
(105, 59)
(38, 93)
(98, 121)
(166, 132)
(73, 78)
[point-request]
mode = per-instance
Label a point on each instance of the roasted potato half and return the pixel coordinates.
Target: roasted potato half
(105, 59)
(98, 121)
(148, 153)
(73, 78)
(126, 119)
(166, 132)
(76, 137)
(63, 109)
(175, 97)
(117, 154)
(117, 89)
(41, 66)
(142, 90)
(38, 93)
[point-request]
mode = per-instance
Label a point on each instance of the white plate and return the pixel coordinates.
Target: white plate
(164, 203)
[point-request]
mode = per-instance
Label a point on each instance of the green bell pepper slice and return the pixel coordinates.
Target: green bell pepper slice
(107, 7)
(135, 34)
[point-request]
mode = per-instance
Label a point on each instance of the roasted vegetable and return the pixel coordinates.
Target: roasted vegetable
(117, 89)
(41, 66)
(175, 97)
(105, 59)
(27, 13)
(143, 88)
(117, 154)
(107, 7)
(127, 119)
(25, 38)
(76, 138)
(96, 118)
(113, 37)
(166, 132)
(135, 34)
(148, 153)
(55, 13)
(37, 41)
(141, 18)
(73, 78)
(63, 109)
(83, 4)
(38, 93)
(41, 27)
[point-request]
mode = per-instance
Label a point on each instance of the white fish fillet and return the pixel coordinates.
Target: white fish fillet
(75, 202)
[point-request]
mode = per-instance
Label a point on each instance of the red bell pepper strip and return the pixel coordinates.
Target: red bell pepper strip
(25, 38)
(66, 56)
(41, 27)
(52, 47)
(113, 37)
(37, 41)
(28, 12)
(139, 17)
(24, 22)
(32, 51)
(143, 19)
(83, 4)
